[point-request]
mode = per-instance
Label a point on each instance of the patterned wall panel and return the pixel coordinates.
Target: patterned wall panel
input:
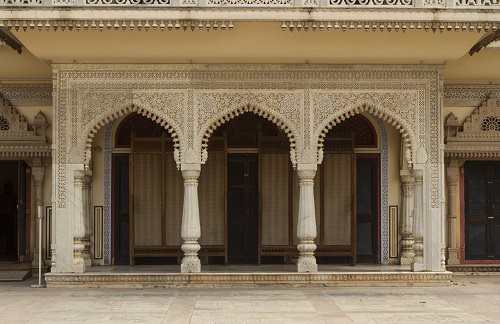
(317, 204)
(147, 199)
(174, 196)
(338, 205)
(211, 199)
(274, 171)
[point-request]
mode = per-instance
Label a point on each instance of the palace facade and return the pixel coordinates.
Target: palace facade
(250, 132)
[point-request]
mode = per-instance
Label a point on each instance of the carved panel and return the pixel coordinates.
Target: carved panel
(478, 136)
(18, 138)
(191, 100)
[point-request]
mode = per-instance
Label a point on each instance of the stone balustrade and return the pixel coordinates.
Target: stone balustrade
(431, 4)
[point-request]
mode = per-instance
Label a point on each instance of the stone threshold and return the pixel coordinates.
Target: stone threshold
(247, 280)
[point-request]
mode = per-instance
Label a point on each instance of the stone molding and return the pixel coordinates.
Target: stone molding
(191, 100)
(27, 94)
(466, 95)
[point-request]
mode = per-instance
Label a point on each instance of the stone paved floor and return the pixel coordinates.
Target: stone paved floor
(471, 299)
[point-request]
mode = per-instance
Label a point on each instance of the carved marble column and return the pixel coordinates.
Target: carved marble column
(79, 262)
(306, 226)
(407, 201)
(418, 222)
(452, 176)
(190, 231)
(38, 173)
(87, 216)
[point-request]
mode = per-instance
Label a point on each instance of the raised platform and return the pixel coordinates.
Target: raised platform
(240, 276)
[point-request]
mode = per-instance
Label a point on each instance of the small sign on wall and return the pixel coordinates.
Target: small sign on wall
(98, 232)
(393, 232)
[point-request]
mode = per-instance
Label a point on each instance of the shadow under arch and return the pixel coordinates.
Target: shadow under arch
(100, 121)
(391, 118)
(227, 116)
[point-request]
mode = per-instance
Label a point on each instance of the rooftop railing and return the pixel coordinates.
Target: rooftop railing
(430, 4)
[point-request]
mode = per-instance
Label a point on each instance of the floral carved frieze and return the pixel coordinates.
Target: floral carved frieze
(469, 95)
(19, 94)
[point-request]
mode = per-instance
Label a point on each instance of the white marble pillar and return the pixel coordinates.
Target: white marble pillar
(418, 225)
(452, 176)
(407, 201)
(79, 262)
(306, 226)
(190, 231)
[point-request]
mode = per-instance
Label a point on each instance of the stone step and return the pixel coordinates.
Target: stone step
(248, 280)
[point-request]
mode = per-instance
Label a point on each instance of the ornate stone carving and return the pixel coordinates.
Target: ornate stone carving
(192, 99)
(20, 139)
(33, 94)
(479, 134)
(469, 95)
(282, 108)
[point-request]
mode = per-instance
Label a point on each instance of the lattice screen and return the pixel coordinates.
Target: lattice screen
(211, 199)
(147, 199)
(274, 185)
(174, 195)
(317, 204)
(338, 199)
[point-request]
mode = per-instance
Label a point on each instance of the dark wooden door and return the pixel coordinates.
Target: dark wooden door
(242, 208)
(367, 208)
(482, 210)
(121, 209)
(21, 211)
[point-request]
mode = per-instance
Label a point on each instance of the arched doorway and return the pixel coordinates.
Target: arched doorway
(258, 192)
(147, 194)
(350, 192)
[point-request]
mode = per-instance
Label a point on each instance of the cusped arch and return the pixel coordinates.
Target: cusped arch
(388, 116)
(100, 121)
(273, 117)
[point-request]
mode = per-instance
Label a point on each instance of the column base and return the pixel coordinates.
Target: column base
(189, 266)
(453, 256)
(307, 264)
(406, 260)
(417, 267)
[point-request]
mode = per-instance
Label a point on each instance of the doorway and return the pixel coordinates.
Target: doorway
(242, 208)
(13, 211)
(482, 210)
(367, 168)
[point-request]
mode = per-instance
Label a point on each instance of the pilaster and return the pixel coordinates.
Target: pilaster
(452, 176)
(407, 201)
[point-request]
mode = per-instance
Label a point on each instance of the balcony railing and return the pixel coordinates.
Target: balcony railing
(430, 4)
